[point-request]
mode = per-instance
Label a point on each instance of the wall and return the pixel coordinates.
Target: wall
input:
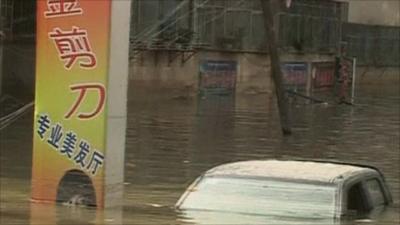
(150, 72)
(372, 45)
(381, 76)
(375, 12)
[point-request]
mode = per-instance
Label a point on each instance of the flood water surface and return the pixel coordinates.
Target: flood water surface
(172, 141)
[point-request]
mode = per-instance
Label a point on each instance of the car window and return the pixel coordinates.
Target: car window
(262, 197)
(356, 200)
(375, 192)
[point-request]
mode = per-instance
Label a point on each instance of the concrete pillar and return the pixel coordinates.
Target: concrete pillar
(80, 102)
(117, 99)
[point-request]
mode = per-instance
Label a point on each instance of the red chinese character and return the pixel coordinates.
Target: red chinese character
(74, 45)
(83, 88)
(57, 8)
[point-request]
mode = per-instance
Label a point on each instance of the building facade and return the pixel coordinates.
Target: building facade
(171, 41)
(373, 12)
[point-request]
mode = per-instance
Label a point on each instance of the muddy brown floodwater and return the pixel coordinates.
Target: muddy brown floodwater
(170, 142)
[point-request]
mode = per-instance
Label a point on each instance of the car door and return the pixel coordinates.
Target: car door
(376, 194)
(363, 196)
(357, 203)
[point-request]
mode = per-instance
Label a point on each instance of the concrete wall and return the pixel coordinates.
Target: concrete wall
(375, 12)
(150, 72)
(382, 76)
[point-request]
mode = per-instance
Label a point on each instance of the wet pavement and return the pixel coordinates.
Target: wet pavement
(171, 142)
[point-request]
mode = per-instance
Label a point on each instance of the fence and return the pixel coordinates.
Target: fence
(373, 45)
(309, 25)
(222, 24)
(18, 19)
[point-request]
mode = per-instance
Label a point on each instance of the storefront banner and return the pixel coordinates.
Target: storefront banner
(73, 40)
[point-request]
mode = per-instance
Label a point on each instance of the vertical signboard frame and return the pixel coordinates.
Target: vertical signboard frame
(80, 102)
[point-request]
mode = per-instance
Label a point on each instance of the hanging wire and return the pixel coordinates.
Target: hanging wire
(7, 120)
(212, 19)
(144, 34)
(156, 26)
(184, 15)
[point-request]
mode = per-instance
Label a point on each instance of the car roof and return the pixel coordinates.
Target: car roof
(325, 172)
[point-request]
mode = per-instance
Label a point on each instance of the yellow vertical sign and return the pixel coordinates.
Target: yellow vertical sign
(72, 62)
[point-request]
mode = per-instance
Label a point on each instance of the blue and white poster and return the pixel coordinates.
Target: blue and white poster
(217, 77)
(295, 75)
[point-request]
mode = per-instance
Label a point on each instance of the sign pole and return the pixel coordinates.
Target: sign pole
(80, 102)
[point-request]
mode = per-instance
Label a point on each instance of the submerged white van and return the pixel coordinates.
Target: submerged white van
(287, 189)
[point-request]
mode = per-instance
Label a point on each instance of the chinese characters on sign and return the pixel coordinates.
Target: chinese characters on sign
(72, 45)
(59, 8)
(73, 68)
(74, 51)
(66, 143)
(83, 90)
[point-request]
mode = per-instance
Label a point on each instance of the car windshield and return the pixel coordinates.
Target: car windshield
(262, 197)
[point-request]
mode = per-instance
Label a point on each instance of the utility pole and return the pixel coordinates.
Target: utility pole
(269, 13)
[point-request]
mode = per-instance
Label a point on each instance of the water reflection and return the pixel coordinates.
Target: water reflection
(170, 142)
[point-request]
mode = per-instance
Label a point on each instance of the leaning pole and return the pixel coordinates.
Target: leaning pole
(275, 65)
(80, 102)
